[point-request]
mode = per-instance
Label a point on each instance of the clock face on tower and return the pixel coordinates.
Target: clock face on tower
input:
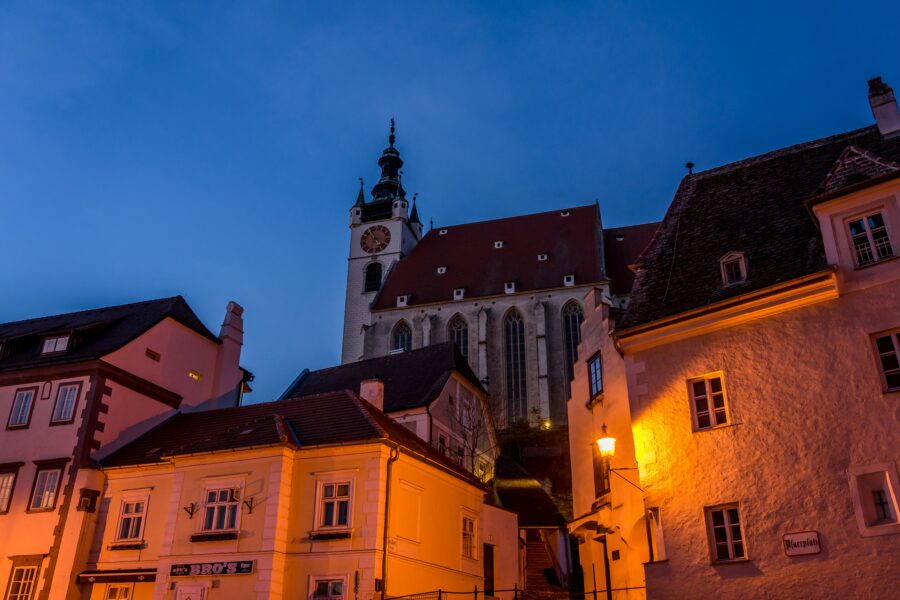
(375, 239)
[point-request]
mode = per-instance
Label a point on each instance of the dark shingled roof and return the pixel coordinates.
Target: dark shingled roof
(757, 206)
(571, 242)
(323, 419)
(411, 379)
(621, 248)
(518, 491)
(93, 333)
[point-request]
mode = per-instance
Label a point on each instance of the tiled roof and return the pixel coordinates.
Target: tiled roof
(411, 379)
(756, 206)
(93, 333)
(323, 419)
(621, 248)
(570, 238)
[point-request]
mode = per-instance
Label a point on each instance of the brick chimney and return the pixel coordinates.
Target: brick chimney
(884, 107)
(228, 372)
(372, 391)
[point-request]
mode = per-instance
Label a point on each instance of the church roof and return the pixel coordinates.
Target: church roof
(411, 379)
(758, 206)
(570, 239)
(92, 333)
(621, 247)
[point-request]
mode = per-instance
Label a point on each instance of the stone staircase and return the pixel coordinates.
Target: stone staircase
(540, 574)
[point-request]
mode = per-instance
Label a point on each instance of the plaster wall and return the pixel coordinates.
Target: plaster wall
(806, 406)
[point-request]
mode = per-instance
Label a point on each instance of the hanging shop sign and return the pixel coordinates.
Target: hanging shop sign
(234, 567)
(801, 543)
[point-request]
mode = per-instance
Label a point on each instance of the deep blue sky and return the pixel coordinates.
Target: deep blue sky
(213, 149)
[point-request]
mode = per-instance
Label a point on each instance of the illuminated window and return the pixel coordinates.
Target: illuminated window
(595, 376)
(708, 402)
(23, 403)
(514, 338)
(220, 509)
(328, 589)
(131, 519)
(66, 400)
(22, 582)
(459, 334)
(373, 277)
(8, 476)
(46, 488)
(733, 268)
(468, 537)
(870, 239)
(55, 344)
(888, 348)
(401, 338)
(118, 592)
(726, 535)
(334, 504)
(572, 316)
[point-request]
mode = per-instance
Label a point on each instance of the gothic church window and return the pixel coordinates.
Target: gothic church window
(373, 277)
(401, 338)
(459, 334)
(572, 318)
(516, 397)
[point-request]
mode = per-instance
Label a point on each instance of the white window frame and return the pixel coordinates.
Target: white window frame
(335, 480)
(26, 414)
(730, 541)
(509, 287)
(133, 499)
(656, 531)
(861, 498)
(316, 579)
(707, 379)
(128, 587)
(218, 486)
(459, 293)
(470, 553)
(7, 489)
(70, 415)
(42, 495)
(55, 344)
(731, 258)
(870, 239)
(894, 337)
(18, 594)
(569, 280)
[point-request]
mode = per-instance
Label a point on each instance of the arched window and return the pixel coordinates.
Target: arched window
(401, 338)
(572, 316)
(514, 336)
(373, 277)
(458, 332)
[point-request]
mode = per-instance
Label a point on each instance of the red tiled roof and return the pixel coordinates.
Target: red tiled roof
(572, 245)
(621, 248)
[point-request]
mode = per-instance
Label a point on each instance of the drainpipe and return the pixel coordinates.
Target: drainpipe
(395, 454)
(609, 593)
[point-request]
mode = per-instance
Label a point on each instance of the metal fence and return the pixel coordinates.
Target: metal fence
(517, 594)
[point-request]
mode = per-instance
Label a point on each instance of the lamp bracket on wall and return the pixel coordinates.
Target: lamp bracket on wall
(190, 509)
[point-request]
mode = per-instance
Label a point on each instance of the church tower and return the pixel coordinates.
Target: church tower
(382, 231)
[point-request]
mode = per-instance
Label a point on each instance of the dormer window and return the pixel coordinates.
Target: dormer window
(870, 239)
(498, 244)
(542, 257)
(510, 287)
(564, 213)
(459, 293)
(442, 232)
(733, 267)
(569, 280)
(55, 344)
(402, 300)
(441, 270)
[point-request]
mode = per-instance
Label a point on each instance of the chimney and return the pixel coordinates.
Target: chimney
(226, 388)
(884, 107)
(372, 391)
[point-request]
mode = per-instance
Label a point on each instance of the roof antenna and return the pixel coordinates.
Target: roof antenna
(690, 167)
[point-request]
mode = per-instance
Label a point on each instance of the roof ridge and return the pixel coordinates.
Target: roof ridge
(438, 345)
(766, 156)
(520, 216)
(92, 310)
(366, 408)
(647, 224)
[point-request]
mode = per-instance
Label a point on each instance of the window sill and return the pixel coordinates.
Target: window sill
(736, 561)
(874, 263)
(598, 399)
(136, 545)
(890, 391)
(15, 427)
(330, 534)
(39, 510)
(656, 562)
(715, 428)
(58, 423)
(214, 536)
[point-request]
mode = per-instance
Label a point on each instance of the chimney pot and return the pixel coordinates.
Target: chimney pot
(372, 391)
(884, 107)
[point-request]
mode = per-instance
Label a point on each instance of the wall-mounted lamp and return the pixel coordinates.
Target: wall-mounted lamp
(607, 444)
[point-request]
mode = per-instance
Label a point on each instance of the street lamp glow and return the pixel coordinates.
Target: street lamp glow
(607, 446)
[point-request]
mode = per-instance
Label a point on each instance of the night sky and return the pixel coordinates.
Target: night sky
(213, 149)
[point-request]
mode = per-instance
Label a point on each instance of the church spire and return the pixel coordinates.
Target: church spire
(414, 214)
(388, 186)
(360, 197)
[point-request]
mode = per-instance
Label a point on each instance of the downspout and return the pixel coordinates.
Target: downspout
(395, 454)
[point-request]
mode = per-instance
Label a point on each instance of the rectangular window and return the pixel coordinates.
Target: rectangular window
(888, 347)
(66, 400)
(55, 344)
(595, 376)
(118, 592)
(871, 241)
(328, 589)
(708, 402)
(131, 520)
(22, 583)
(601, 472)
(220, 509)
(46, 488)
(732, 271)
(726, 533)
(468, 537)
(334, 505)
(23, 403)
(8, 476)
